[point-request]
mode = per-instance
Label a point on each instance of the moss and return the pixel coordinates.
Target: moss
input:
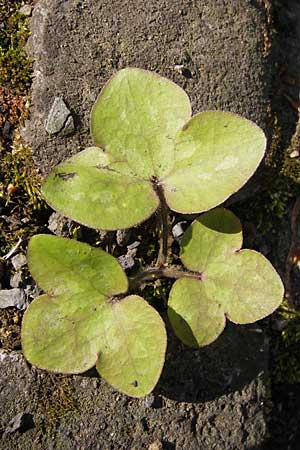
(291, 166)
(286, 350)
(56, 400)
(10, 328)
(21, 203)
(15, 67)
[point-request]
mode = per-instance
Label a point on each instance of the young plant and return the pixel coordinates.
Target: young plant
(149, 155)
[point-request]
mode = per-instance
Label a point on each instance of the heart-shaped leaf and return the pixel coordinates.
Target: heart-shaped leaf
(142, 122)
(78, 323)
(239, 284)
(215, 154)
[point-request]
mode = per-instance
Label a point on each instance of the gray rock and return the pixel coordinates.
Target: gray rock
(149, 401)
(68, 128)
(106, 237)
(18, 261)
(126, 261)
(26, 10)
(6, 130)
(220, 63)
(15, 280)
(133, 246)
(59, 118)
(178, 230)
(12, 297)
(59, 225)
(123, 236)
(21, 422)
(32, 290)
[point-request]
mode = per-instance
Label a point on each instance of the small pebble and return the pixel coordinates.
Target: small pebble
(21, 422)
(178, 230)
(126, 261)
(19, 261)
(59, 118)
(6, 130)
(149, 401)
(12, 297)
(294, 154)
(15, 280)
(105, 236)
(26, 10)
(134, 245)
(59, 225)
(123, 237)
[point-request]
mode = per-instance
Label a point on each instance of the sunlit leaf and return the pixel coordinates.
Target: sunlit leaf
(238, 284)
(79, 323)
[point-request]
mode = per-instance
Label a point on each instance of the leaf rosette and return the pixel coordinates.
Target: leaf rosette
(146, 141)
(241, 285)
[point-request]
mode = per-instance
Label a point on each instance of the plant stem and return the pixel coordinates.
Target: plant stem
(164, 231)
(154, 273)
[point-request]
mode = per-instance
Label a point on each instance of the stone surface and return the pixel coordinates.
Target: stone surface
(126, 261)
(12, 297)
(215, 50)
(59, 118)
(59, 225)
(26, 10)
(211, 398)
(18, 261)
(21, 422)
(15, 280)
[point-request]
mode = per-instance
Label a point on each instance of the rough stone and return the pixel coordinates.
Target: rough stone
(59, 118)
(21, 422)
(126, 261)
(149, 401)
(59, 225)
(123, 237)
(77, 47)
(133, 246)
(18, 261)
(178, 230)
(15, 280)
(26, 10)
(212, 398)
(12, 297)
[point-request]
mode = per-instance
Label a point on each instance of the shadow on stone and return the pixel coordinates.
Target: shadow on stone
(236, 358)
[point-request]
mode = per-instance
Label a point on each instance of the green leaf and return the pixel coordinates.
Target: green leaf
(78, 323)
(136, 118)
(215, 154)
(89, 191)
(135, 344)
(59, 265)
(239, 284)
(196, 322)
(142, 122)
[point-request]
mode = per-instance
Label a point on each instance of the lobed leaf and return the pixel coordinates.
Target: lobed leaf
(215, 154)
(148, 141)
(136, 118)
(238, 284)
(98, 195)
(78, 324)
